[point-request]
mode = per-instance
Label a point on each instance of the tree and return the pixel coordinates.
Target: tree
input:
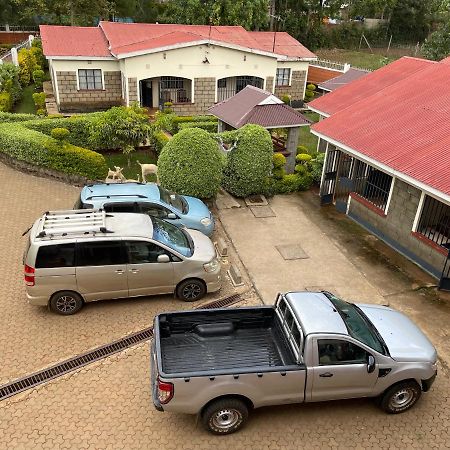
(121, 127)
(251, 14)
(437, 46)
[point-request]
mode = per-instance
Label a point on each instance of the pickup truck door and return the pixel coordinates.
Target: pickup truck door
(340, 370)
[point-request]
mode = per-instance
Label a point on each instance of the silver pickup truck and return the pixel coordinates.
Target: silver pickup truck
(308, 347)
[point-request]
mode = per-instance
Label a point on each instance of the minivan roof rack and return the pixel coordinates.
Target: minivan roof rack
(70, 221)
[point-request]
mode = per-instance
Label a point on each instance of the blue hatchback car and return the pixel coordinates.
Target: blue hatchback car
(150, 199)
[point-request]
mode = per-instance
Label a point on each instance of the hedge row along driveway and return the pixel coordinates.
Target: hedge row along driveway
(29, 141)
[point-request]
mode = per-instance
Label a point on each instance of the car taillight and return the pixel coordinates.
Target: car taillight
(165, 392)
(29, 275)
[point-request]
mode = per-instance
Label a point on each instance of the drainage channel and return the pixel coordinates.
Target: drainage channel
(69, 365)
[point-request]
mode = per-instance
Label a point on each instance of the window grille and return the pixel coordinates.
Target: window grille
(283, 76)
(172, 83)
(434, 222)
(90, 79)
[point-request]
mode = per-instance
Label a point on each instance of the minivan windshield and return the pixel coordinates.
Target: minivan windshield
(173, 237)
(173, 199)
(358, 324)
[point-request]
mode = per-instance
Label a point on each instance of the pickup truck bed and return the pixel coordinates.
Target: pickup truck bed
(222, 339)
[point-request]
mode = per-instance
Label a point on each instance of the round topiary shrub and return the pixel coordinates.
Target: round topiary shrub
(300, 169)
(303, 158)
(309, 95)
(278, 173)
(301, 149)
(60, 134)
(286, 99)
(250, 163)
(190, 164)
(278, 160)
(311, 87)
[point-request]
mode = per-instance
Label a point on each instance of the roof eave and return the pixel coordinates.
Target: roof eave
(194, 43)
(384, 168)
(81, 58)
(318, 111)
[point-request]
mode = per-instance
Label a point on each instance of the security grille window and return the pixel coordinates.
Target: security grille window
(241, 82)
(222, 83)
(90, 79)
(434, 222)
(172, 83)
(283, 76)
(371, 184)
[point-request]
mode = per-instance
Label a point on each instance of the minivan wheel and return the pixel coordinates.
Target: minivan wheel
(225, 416)
(66, 303)
(400, 397)
(191, 290)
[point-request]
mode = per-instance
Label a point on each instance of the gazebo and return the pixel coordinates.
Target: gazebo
(256, 106)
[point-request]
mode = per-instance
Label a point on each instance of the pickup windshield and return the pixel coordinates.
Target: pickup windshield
(173, 199)
(358, 324)
(173, 237)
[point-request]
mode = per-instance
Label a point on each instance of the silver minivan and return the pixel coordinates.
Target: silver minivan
(79, 256)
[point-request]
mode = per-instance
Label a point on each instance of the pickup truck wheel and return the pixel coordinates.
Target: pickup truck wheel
(400, 397)
(225, 416)
(191, 290)
(66, 303)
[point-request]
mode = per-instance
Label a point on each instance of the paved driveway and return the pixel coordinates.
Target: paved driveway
(31, 337)
(107, 405)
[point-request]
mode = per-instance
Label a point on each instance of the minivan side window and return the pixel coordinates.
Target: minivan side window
(101, 253)
(142, 252)
(120, 207)
(59, 255)
(336, 351)
(154, 210)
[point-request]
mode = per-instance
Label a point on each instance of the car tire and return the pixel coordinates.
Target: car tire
(225, 416)
(191, 290)
(400, 397)
(66, 303)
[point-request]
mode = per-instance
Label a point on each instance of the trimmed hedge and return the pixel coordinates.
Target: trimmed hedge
(6, 117)
(160, 139)
(190, 164)
(79, 127)
(178, 120)
(33, 147)
(210, 126)
(6, 101)
(250, 163)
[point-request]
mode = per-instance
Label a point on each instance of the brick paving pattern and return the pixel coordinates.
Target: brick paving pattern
(31, 337)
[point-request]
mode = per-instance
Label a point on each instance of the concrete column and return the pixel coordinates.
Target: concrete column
(220, 127)
(291, 146)
(14, 56)
(30, 40)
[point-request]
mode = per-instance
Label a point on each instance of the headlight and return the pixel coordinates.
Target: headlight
(206, 221)
(212, 266)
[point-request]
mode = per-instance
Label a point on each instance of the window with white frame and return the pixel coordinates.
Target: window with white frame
(172, 83)
(89, 79)
(434, 221)
(283, 77)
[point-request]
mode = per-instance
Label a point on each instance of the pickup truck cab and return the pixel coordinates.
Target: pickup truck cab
(308, 347)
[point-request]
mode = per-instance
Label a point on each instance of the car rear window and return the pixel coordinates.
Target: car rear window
(58, 255)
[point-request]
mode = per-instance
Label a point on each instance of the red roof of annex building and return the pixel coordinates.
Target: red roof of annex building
(403, 128)
(116, 39)
(367, 85)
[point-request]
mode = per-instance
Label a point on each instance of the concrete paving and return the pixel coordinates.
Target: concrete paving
(257, 238)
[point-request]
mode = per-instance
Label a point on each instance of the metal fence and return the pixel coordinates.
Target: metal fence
(7, 57)
(329, 64)
(19, 28)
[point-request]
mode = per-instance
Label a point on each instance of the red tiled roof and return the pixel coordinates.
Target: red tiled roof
(446, 60)
(343, 79)
(285, 44)
(73, 41)
(122, 38)
(404, 126)
(245, 107)
(371, 83)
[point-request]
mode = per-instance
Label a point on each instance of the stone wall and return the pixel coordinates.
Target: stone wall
(73, 100)
(395, 227)
(204, 96)
(269, 84)
(297, 88)
(132, 90)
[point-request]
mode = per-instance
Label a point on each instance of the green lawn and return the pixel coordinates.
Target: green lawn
(120, 160)
(365, 60)
(306, 137)
(26, 104)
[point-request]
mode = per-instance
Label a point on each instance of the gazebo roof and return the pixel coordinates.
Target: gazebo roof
(256, 106)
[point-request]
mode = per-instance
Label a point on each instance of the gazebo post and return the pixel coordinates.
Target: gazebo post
(291, 147)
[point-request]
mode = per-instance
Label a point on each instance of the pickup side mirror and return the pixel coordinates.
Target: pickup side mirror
(163, 259)
(370, 364)
(171, 216)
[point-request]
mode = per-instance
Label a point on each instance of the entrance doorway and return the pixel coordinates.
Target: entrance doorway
(146, 93)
